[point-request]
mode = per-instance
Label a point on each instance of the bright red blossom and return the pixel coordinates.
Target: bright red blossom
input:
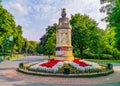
(51, 63)
(81, 63)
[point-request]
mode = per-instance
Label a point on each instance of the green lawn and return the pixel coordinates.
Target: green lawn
(96, 60)
(14, 56)
(17, 56)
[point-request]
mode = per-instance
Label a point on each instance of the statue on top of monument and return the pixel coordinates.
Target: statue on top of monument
(63, 14)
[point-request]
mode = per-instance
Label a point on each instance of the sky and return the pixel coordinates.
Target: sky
(35, 15)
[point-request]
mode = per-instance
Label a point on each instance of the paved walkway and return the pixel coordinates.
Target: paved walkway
(10, 77)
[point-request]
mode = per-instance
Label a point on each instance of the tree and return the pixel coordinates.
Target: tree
(107, 41)
(113, 11)
(84, 33)
(32, 46)
(48, 43)
(0, 1)
(7, 24)
(18, 39)
(112, 8)
(7, 27)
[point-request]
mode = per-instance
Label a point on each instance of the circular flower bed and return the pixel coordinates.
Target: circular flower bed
(77, 66)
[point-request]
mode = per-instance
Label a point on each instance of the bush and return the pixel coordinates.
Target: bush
(116, 54)
(91, 56)
(98, 56)
(67, 67)
(109, 66)
(106, 56)
(21, 65)
(76, 55)
(66, 71)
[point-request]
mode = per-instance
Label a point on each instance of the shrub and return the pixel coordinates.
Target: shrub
(21, 65)
(109, 66)
(106, 56)
(91, 56)
(98, 56)
(116, 54)
(72, 70)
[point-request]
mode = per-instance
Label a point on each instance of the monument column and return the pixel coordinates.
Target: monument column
(63, 38)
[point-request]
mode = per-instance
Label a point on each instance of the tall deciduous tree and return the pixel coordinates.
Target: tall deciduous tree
(47, 45)
(18, 39)
(84, 33)
(7, 23)
(50, 44)
(113, 11)
(32, 46)
(107, 40)
(7, 26)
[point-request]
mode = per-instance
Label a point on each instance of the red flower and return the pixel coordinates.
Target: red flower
(81, 63)
(51, 63)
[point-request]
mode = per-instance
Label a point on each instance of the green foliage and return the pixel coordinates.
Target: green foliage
(47, 45)
(17, 56)
(107, 41)
(114, 19)
(0, 2)
(98, 56)
(113, 11)
(71, 69)
(84, 33)
(20, 65)
(50, 44)
(40, 49)
(109, 66)
(116, 54)
(7, 24)
(18, 39)
(9, 29)
(32, 46)
(25, 46)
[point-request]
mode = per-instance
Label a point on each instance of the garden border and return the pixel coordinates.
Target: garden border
(85, 75)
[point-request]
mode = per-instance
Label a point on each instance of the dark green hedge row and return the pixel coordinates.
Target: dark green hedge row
(98, 56)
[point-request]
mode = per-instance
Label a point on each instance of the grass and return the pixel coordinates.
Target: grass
(96, 60)
(14, 56)
(51, 57)
(17, 56)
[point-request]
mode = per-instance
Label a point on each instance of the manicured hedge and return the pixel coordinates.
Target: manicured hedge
(98, 56)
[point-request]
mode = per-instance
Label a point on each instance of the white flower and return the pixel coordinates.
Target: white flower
(66, 62)
(54, 69)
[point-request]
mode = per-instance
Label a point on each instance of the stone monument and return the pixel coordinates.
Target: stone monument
(63, 38)
(64, 63)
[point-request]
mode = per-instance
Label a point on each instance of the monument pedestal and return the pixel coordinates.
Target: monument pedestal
(63, 38)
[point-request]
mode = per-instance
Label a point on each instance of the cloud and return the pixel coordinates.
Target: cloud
(17, 9)
(20, 8)
(36, 15)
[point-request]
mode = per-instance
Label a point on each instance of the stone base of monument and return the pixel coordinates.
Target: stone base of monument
(66, 58)
(61, 68)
